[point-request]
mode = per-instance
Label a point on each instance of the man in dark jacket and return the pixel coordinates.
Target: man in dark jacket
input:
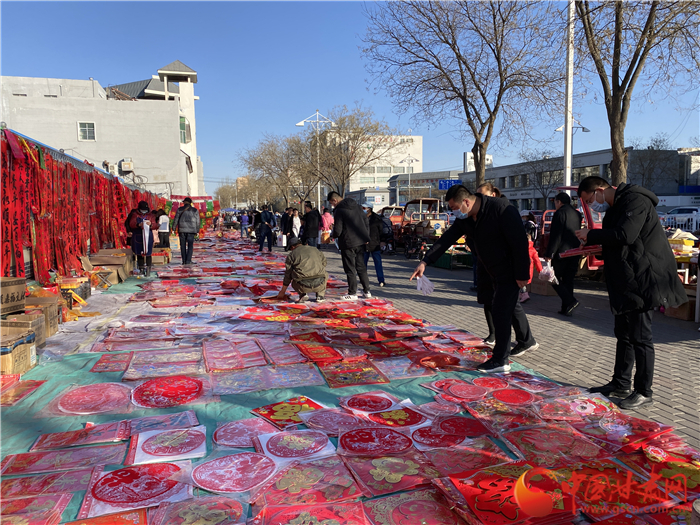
(640, 273)
(351, 230)
(186, 223)
(311, 221)
(283, 227)
(502, 249)
(267, 222)
(374, 247)
(562, 236)
(305, 270)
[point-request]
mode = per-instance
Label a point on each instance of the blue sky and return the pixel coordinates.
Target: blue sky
(262, 67)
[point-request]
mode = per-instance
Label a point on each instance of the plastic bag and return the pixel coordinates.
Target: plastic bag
(425, 286)
(547, 273)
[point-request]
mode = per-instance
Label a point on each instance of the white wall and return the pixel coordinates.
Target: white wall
(412, 145)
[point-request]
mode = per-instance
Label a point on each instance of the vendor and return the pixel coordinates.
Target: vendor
(305, 271)
(142, 240)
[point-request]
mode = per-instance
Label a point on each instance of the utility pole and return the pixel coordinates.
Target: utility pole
(316, 120)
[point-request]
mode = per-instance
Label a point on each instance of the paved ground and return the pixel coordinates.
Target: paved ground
(578, 350)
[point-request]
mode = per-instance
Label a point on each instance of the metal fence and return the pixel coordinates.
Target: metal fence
(687, 222)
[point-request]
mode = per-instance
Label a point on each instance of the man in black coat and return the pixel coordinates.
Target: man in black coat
(640, 273)
(286, 226)
(351, 230)
(374, 246)
(312, 220)
(562, 236)
(502, 249)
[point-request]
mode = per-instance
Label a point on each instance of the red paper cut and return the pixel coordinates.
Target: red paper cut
(427, 437)
(46, 484)
(95, 399)
(330, 421)
(296, 444)
(424, 507)
(18, 392)
(233, 474)
(466, 392)
(136, 485)
(173, 442)
(369, 403)
(435, 409)
(492, 383)
(374, 442)
(472, 455)
(462, 426)
(166, 392)
(132, 517)
(208, 510)
(112, 363)
(329, 514)
(382, 475)
(163, 422)
(241, 433)
(40, 462)
(513, 396)
(284, 413)
(400, 417)
(87, 436)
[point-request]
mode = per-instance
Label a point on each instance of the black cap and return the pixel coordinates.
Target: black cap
(187, 200)
(294, 241)
(143, 205)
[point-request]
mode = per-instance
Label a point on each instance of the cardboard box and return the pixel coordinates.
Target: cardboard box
(117, 275)
(113, 251)
(539, 287)
(17, 352)
(159, 259)
(685, 312)
(124, 253)
(12, 294)
(49, 307)
(21, 323)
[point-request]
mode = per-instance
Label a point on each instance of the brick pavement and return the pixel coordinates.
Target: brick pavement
(578, 351)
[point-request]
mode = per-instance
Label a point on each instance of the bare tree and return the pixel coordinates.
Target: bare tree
(355, 142)
(492, 66)
(623, 43)
(654, 161)
(543, 169)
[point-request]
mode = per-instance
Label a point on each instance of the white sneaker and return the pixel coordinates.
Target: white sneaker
(368, 295)
(349, 297)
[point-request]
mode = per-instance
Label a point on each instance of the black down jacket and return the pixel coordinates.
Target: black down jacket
(640, 270)
(351, 226)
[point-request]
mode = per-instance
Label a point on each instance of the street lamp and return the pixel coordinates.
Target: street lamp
(569, 149)
(316, 120)
(408, 160)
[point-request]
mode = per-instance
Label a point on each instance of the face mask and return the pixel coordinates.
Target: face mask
(143, 211)
(599, 207)
(460, 215)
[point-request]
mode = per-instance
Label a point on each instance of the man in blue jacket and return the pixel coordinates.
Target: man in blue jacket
(267, 222)
(495, 228)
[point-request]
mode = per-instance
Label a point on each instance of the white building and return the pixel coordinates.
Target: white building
(468, 164)
(141, 131)
(405, 158)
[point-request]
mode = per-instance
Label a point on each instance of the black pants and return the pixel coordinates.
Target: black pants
(634, 346)
(164, 239)
(265, 232)
(506, 311)
(186, 247)
(354, 263)
(140, 260)
(565, 270)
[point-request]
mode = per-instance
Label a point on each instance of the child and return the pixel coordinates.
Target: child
(534, 263)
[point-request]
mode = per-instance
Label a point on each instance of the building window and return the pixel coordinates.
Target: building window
(86, 131)
(51, 96)
(399, 170)
(367, 170)
(502, 182)
(19, 94)
(366, 180)
(384, 169)
(185, 132)
(382, 179)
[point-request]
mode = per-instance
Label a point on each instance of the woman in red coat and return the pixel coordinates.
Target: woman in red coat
(534, 263)
(141, 223)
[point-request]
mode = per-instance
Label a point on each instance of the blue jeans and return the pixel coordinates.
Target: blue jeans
(312, 241)
(186, 247)
(265, 232)
(377, 258)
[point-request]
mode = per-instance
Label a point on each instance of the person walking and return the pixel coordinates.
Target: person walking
(351, 229)
(640, 274)
(562, 236)
(142, 239)
(374, 247)
(296, 223)
(501, 246)
(163, 229)
(284, 222)
(312, 222)
(245, 224)
(267, 222)
(186, 224)
(305, 270)
(327, 220)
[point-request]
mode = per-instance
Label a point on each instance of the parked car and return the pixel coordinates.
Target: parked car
(684, 217)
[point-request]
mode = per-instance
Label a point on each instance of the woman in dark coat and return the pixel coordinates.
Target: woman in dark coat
(141, 224)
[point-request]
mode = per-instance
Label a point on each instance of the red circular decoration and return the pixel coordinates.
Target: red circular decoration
(330, 421)
(136, 485)
(241, 433)
(95, 399)
(369, 403)
(442, 384)
(462, 426)
(173, 442)
(435, 409)
(492, 383)
(466, 391)
(401, 417)
(374, 441)
(428, 437)
(164, 392)
(237, 473)
(423, 512)
(218, 505)
(296, 444)
(513, 396)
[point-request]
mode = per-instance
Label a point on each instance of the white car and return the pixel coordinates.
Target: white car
(683, 217)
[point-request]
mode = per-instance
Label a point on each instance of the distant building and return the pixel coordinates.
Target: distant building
(405, 158)
(532, 185)
(419, 183)
(143, 131)
(468, 164)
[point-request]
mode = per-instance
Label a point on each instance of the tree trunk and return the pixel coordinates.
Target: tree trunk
(479, 152)
(618, 166)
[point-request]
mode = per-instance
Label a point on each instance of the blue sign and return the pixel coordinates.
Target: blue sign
(446, 184)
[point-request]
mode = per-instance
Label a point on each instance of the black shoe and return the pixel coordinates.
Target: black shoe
(491, 366)
(520, 348)
(473, 288)
(635, 400)
(611, 390)
(569, 310)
